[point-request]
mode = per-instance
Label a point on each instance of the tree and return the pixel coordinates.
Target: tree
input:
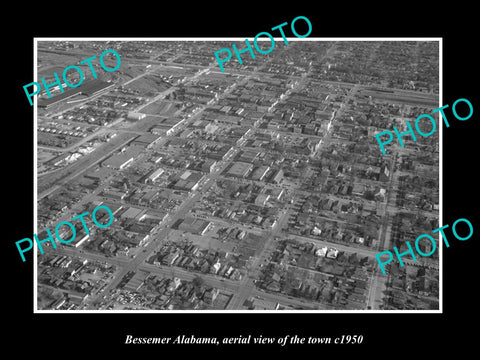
(197, 281)
(369, 195)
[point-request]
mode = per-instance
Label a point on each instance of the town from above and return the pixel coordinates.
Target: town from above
(261, 187)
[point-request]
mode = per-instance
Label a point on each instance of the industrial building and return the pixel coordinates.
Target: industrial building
(89, 88)
(240, 169)
(195, 226)
(188, 181)
(148, 140)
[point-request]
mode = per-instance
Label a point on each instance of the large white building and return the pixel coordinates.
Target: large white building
(154, 176)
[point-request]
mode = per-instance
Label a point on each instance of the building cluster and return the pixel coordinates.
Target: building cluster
(245, 242)
(146, 291)
(64, 134)
(207, 261)
(259, 303)
(402, 65)
(413, 287)
(254, 214)
(321, 274)
(76, 279)
(55, 206)
(133, 229)
(338, 221)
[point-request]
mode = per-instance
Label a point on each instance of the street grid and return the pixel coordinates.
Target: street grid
(245, 288)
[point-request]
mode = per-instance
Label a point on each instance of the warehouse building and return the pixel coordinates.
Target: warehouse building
(240, 169)
(154, 175)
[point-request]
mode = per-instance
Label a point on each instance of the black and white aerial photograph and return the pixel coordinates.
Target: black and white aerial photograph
(259, 187)
(221, 181)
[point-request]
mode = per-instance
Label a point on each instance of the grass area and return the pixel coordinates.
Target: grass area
(44, 155)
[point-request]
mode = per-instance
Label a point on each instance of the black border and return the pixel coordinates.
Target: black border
(384, 334)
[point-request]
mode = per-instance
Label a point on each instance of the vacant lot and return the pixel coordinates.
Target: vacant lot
(149, 85)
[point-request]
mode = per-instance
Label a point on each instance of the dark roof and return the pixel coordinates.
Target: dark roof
(89, 88)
